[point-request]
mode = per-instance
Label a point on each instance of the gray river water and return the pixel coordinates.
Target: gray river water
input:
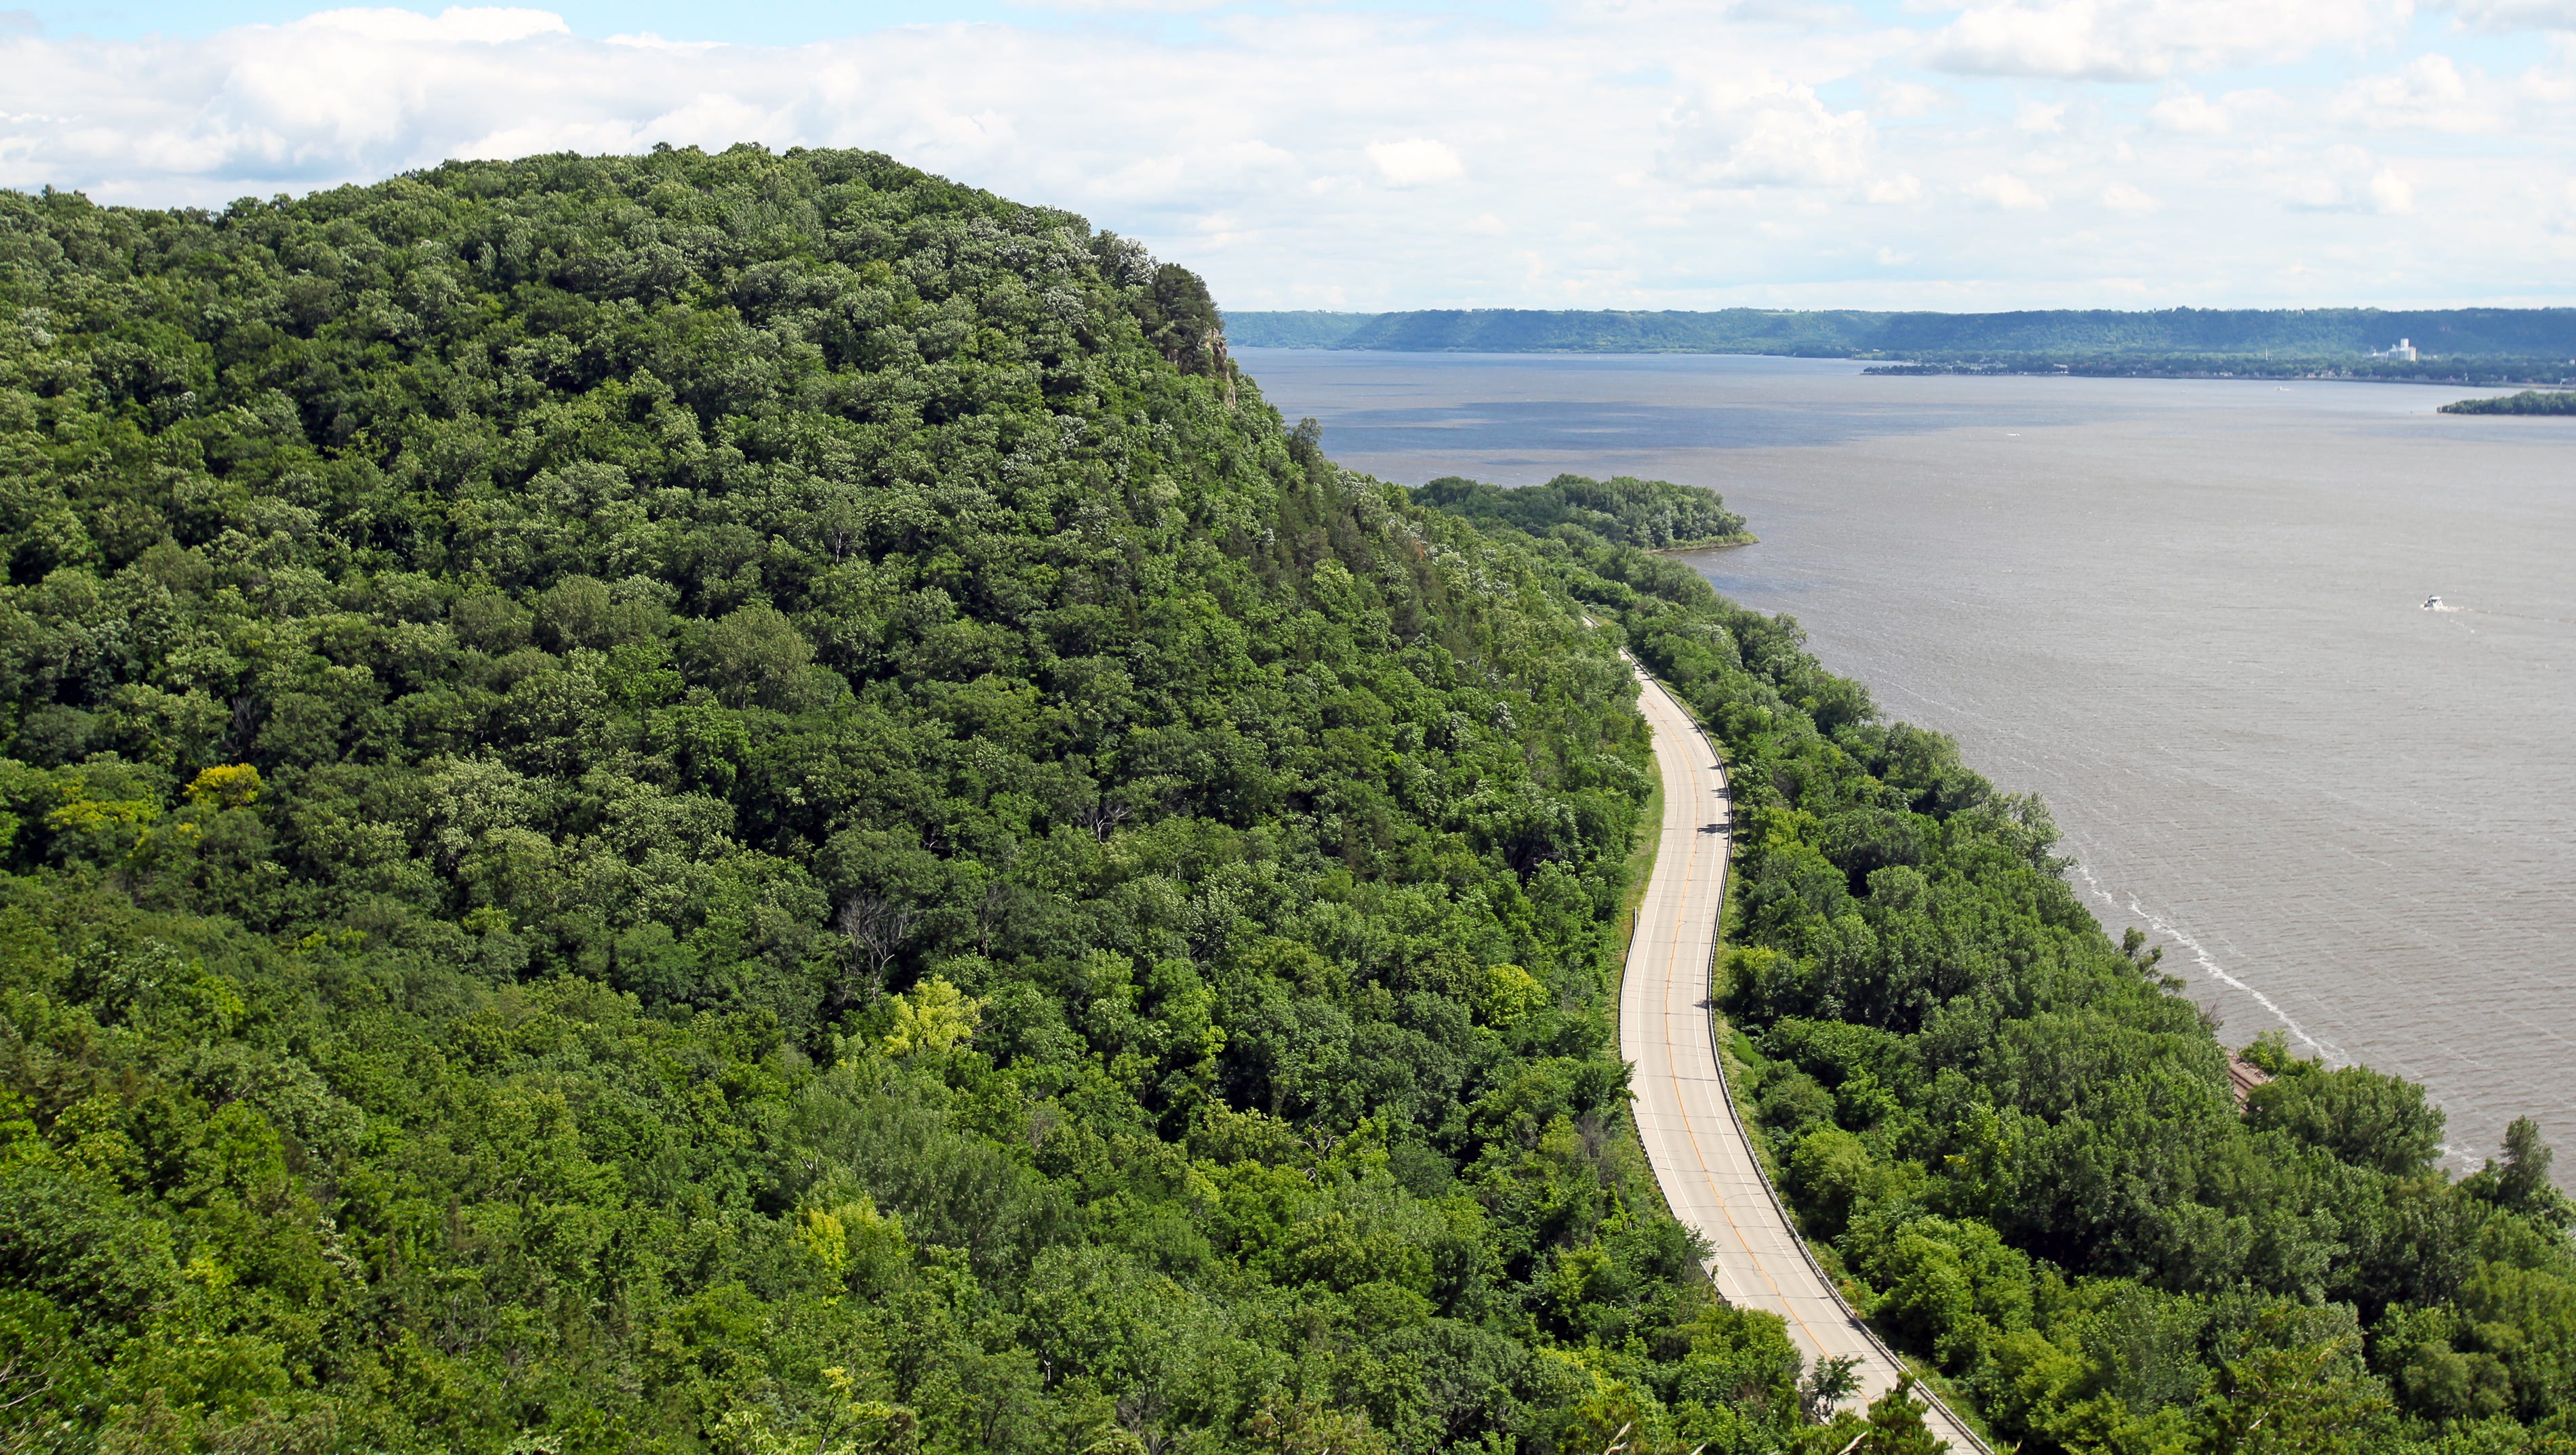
(2187, 613)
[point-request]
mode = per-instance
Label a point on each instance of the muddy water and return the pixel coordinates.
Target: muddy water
(2188, 613)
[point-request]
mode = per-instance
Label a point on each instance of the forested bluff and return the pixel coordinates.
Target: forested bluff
(2534, 336)
(753, 803)
(2460, 345)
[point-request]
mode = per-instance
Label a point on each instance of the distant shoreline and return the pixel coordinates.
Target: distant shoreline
(2469, 379)
(2473, 347)
(2532, 339)
(2496, 374)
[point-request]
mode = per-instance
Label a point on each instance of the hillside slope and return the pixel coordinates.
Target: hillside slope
(752, 803)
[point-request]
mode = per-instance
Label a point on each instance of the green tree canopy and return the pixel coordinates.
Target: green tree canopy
(2017, 1138)
(1656, 514)
(752, 802)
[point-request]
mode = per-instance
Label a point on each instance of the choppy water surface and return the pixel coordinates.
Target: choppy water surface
(2188, 613)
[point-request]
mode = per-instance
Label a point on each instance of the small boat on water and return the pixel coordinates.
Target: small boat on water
(2432, 603)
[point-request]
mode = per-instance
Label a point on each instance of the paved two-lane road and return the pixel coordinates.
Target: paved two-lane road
(1692, 1136)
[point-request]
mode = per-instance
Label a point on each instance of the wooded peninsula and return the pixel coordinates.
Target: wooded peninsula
(754, 803)
(2529, 401)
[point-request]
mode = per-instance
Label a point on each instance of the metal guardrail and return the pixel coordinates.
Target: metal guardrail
(1727, 1094)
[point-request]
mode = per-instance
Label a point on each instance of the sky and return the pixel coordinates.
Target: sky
(1383, 154)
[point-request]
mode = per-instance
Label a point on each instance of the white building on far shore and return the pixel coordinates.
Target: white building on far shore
(2405, 350)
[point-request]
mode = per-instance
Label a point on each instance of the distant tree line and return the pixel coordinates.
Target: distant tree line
(2528, 334)
(2429, 369)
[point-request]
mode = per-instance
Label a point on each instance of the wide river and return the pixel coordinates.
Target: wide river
(2189, 614)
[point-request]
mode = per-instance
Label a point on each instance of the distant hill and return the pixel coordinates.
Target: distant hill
(2310, 332)
(1304, 329)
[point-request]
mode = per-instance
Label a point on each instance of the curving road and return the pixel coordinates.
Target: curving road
(1692, 1135)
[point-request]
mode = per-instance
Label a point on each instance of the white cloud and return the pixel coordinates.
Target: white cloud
(648, 41)
(2011, 193)
(2430, 93)
(1769, 136)
(2348, 179)
(2184, 109)
(1379, 159)
(1123, 7)
(488, 25)
(2507, 15)
(1904, 100)
(2039, 117)
(1174, 178)
(2138, 40)
(1418, 162)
